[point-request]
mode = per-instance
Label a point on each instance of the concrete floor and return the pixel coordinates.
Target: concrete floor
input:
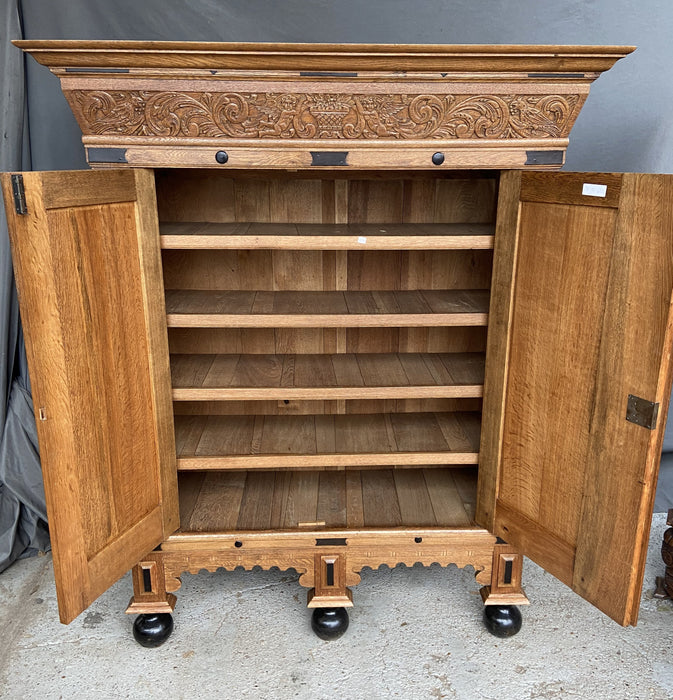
(415, 633)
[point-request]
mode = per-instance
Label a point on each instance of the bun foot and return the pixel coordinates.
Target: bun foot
(502, 620)
(152, 630)
(329, 623)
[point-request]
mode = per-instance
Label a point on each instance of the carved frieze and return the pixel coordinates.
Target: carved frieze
(272, 115)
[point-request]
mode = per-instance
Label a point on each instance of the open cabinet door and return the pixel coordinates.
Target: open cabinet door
(88, 270)
(579, 374)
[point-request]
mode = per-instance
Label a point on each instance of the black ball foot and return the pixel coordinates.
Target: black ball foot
(502, 620)
(152, 630)
(329, 623)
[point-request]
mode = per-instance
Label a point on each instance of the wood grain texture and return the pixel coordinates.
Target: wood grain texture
(248, 500)
(540, 543)
(363, 156)
(546, 435)
(108, 482)
(154, 309)
(498, 345)
(314, 316)
(325, 236)
(291, 407)
(324, 57)
(86, 189)
(176, 98)
(321, 441)
(194, 551)
(239, 309)
(249, 111)
(544, 478)
(318, 377)
(323, 340)
(505, 587)
(576, 479)
(350, 197)
(623, 458)
(262, 269)
(152, 599)
(569, 188)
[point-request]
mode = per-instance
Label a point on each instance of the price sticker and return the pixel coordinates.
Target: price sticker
(594, 190)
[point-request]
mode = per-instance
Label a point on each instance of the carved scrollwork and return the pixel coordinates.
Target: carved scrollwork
(323, 115)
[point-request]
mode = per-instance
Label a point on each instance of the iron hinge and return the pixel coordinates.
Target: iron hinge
(544, 158)
(642, 412)
(329, 159)
(19, 194)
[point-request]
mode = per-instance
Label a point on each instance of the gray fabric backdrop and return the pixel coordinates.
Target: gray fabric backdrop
(22, 508)
(626, 124)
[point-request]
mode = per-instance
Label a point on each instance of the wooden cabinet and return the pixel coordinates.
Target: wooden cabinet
(309, 329)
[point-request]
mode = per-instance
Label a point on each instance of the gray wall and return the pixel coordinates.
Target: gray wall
(626, 124)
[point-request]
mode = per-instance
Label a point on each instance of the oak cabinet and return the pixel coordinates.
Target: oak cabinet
(337, 315)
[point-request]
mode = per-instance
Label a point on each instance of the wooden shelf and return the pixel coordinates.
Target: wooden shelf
(326, 440)
(326, 377)
(197, 235)
(301, 500)
(243, 309)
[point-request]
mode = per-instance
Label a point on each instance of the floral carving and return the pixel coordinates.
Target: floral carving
(323, 115)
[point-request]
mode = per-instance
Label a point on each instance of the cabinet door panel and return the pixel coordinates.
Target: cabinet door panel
(88, 271)
(582, 320)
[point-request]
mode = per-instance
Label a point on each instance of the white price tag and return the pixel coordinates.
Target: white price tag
(362, 239)
(594, 190)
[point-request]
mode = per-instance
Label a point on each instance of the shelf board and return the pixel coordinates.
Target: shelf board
(301, 500)
(217, 236)
(327, 377)
(265, 309)
(326, 440)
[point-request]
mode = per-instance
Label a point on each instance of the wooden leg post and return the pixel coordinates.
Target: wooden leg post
(149, 587)
(330, 597)
(330, 582)
(505, 588)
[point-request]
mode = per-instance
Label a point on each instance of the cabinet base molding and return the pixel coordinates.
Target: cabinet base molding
(157, 608)
(327, 562)
(344, 600)
(490, 598)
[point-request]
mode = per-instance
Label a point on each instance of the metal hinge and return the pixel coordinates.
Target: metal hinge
(642, 412)
(544, 158)
(19, 194)
(329, 159)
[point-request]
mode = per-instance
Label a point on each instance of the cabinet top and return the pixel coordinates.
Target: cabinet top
(286, 56)
(317, 106)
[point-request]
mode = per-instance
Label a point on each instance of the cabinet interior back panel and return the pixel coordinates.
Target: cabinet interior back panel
(324, 340)
(311, 270)
(192, 195)
(264, 500)
(306, 407)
